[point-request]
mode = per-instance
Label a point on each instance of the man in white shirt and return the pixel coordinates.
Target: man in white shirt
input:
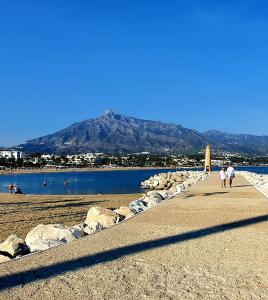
(230, 174)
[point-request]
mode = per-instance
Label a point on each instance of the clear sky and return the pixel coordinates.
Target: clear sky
(201, 64)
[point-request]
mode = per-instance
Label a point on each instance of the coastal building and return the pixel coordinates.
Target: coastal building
(11, 153)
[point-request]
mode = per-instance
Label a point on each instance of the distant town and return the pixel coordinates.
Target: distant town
(13, 158)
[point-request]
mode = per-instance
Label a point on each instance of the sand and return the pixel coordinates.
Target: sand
(20, 213)
(208, 243)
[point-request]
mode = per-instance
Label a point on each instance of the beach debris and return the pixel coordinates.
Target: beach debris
(47, 236)
(14, 246)
(104, 216)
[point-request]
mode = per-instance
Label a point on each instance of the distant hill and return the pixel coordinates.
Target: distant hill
(113, 132)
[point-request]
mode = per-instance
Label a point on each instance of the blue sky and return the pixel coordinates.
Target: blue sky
(202, 64)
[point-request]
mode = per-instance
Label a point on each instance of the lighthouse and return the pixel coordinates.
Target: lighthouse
(208, 159)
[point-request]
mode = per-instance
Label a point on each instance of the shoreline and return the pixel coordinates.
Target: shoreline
(105, 169)
(70, 170)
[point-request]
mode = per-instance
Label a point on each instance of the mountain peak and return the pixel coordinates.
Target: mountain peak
(110, 112)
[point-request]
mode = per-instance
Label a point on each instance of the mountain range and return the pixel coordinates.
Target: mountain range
(113, 132)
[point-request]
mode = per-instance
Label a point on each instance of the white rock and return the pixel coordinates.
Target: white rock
(79, 226)
(137, 206)
(130, 215)
(154, 194)
(93, 227)
(122, 211)
(14, 246)
(41, 245)
(104, 216)
(46, 236)
(163, 193)
(152, 202)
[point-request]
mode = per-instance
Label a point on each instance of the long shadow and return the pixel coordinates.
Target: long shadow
(214, 193)
(25, 277)
(188, 195)
(14, 203)
(243, 185)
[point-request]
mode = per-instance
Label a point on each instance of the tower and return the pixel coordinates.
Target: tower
(208, 159)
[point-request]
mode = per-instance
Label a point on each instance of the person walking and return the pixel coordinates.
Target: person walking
(230, 175)
(223, 176)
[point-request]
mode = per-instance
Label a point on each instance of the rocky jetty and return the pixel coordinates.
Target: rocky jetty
(173, 182)
(161, 187)
(257, 180)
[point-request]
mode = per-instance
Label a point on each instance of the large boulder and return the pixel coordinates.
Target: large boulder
(14, 246)
(122, 211)
(41, 245)
(80, 228)
(46, 236)
(96, 211)
(152, 202)
(92, 227)
(164, 193)
(137, 206)
(104, 216)
(154, 194)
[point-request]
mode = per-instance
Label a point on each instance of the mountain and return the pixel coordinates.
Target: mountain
(243, 143)
(113, 132)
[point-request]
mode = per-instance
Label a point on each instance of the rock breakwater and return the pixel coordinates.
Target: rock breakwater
(257, 180)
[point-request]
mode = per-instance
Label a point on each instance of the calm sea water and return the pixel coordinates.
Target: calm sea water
(105, 182)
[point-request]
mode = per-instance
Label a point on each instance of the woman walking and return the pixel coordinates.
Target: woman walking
(223, 176)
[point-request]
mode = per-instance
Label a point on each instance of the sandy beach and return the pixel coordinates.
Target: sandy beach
(20, 213)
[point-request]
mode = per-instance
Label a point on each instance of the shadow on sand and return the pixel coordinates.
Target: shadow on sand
(49, 271)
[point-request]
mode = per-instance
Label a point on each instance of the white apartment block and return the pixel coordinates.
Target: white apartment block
(11, 154)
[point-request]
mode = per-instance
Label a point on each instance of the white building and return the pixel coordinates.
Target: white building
(10, 153)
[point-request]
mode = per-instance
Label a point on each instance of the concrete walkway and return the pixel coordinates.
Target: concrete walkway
(208, 243)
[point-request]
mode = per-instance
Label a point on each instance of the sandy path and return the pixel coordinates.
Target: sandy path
(204, 244)
(20, 213)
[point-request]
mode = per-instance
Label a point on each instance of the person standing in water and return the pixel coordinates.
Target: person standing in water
(223, 176)
(230, 175)
(10, 188)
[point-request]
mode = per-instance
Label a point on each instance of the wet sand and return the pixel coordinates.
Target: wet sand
(20, 213)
